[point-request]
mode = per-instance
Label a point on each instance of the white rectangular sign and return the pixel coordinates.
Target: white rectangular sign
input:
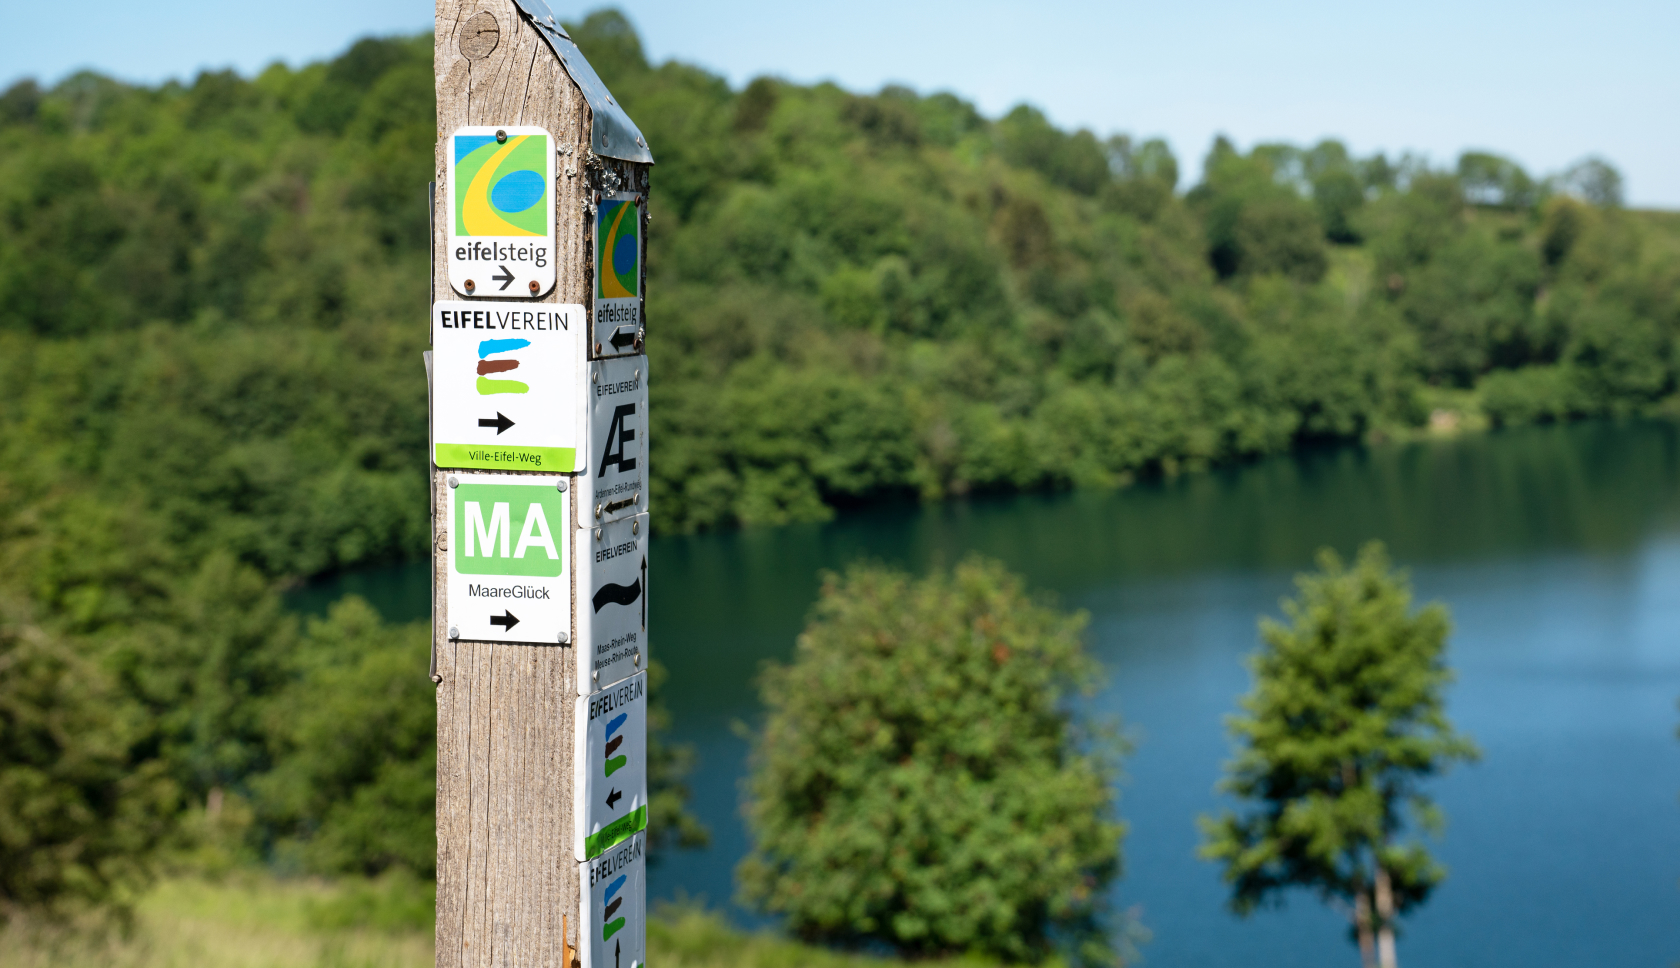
(614, 484)
(612, 602)
(507, 546)
(614, 902)
(501, 211)
(506, 386)
(618, 274)
(611, 797)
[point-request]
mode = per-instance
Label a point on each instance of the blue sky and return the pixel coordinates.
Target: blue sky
(1543, 82)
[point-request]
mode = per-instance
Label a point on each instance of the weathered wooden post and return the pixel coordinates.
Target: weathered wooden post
(538, 440)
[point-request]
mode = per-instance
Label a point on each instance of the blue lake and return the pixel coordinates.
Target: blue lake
(1556, 549)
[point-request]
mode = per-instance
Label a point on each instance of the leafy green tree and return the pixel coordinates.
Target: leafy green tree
(1256, 222)
(921, 780)
(1346, 718)
(1596, 181)
(354, 785)
(1489, 179)
(83, 806)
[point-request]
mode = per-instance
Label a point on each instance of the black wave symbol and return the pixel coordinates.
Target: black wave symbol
(611, 594)
(615, 744)
(608, 913)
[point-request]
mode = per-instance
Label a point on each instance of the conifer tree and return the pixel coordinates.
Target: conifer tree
(1345, 719)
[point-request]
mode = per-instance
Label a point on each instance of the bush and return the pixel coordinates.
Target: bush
(921, 782)
(1533, 394)
(81, 811)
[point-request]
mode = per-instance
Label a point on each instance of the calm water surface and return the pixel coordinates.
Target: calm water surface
(1557, 550)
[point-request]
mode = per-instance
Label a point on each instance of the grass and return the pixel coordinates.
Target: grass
(239, 921)
(254, 920)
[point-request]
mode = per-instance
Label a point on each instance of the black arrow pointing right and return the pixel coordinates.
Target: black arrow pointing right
(501, 422)
(505, 620)
(506, 278)
(613, 798)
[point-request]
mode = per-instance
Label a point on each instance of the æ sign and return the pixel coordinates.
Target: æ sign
(616, 441)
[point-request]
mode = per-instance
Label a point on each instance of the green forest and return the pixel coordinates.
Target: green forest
(213, 301)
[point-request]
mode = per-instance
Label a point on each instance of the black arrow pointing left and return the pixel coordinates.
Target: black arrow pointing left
(505, 620)
(501, 422)
(613, 798)
(506, 278)
(622, 337)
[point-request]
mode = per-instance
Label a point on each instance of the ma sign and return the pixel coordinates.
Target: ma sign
(507, 546)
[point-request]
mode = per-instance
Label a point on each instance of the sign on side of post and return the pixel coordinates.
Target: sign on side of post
(507, 552)
(612, 602)
(614, 915)
(506, 384)
(501, 211)
(611, 797)
(618, 274)
(615, 485)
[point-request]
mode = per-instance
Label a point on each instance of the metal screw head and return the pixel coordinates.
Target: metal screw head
(597, 510)
(636, 498)
(596, 376)
(597, 350)
(454, 632)
(635, 527)
(596, 675)
(471, 285)
(565, 637)
(501, 137)
(597, 534)
(560, 485)
(533, 287)
(637, 374)
(637, 658)
(454, 481)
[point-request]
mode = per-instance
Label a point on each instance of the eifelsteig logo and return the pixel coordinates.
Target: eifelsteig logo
(501, 189)
(619, 257)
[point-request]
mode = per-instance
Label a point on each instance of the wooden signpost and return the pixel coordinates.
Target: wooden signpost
(539, 466)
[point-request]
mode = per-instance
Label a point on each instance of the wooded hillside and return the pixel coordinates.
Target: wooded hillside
(213, 302)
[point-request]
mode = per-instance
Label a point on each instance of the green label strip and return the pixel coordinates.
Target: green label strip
(495, 457)
(615, 833)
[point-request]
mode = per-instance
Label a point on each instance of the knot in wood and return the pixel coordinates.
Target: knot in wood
(480, 35)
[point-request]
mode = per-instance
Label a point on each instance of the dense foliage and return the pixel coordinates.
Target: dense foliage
(80, 805)
(920, 780)
(212, 304)
(1346, 717)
